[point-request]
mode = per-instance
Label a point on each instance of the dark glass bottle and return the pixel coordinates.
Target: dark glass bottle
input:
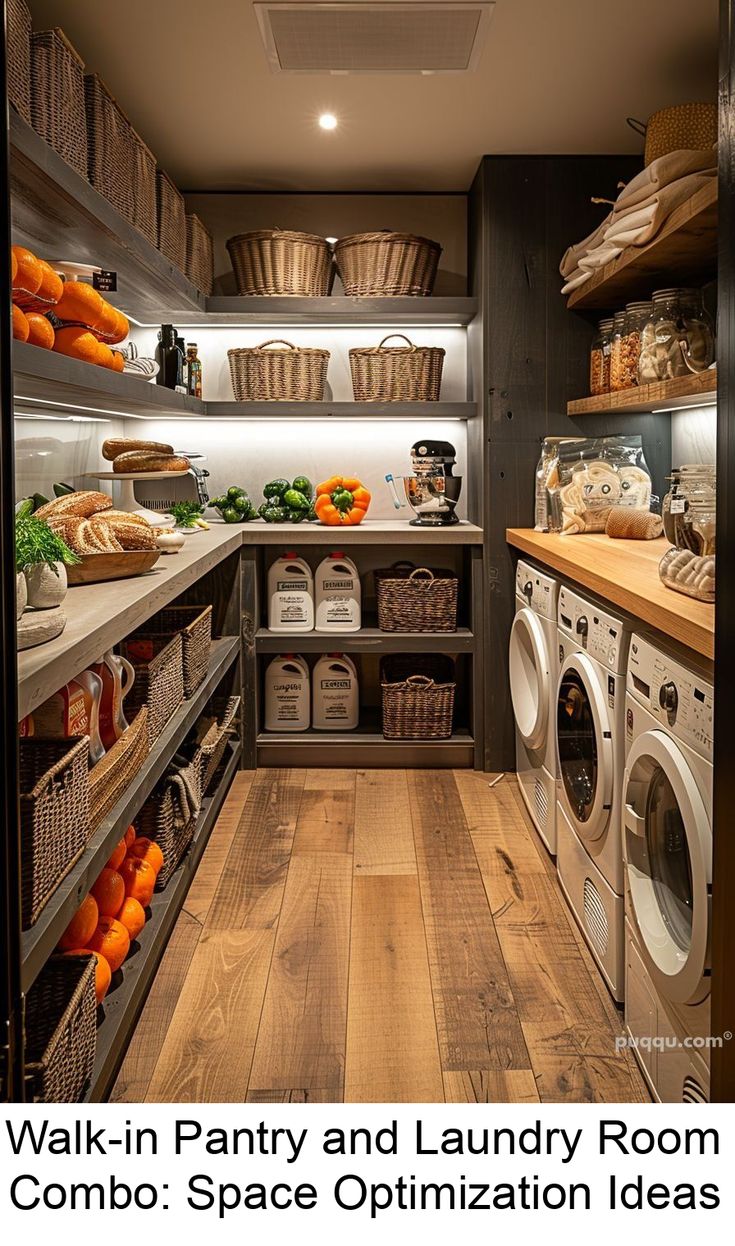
(168, 358)
(184, 365)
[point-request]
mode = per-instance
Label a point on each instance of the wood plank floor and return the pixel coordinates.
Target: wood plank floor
(376, 936)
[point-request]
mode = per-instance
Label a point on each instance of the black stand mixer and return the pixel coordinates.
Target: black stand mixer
(433, 491)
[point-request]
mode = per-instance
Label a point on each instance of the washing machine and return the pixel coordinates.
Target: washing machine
(533, 665)
(590, 736)
(667, 850)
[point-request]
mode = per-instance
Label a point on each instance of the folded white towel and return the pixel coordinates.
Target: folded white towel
(635, 219)
(570, 258)
(577, 279)
(600, 256)
(661, 172)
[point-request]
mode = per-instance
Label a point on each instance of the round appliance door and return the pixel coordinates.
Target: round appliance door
(530, 688)
(584, 747)
(667, 846)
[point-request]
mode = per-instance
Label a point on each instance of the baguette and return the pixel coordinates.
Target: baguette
(83, 503)
(146, 461)
(125, 445)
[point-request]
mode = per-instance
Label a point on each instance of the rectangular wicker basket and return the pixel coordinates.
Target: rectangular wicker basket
(418, 696)
(19, 57)
(415, 599)
(57, 97)
(171, 220)
(54, 816)
(157, 820)
(61, 1029)
(214, 741)
(281, 261)
(121, 167)
(110, 778)
(194, 624)
(387, 264)
(199, 254)
(159, 677)
(293, 374)
(396, 373)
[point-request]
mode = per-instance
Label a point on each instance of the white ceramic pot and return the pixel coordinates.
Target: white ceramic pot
(47, 585)
(21, 594)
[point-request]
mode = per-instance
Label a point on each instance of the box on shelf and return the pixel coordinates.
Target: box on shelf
(57, 96)
(121, 167)
(171, 239)
(199, 254)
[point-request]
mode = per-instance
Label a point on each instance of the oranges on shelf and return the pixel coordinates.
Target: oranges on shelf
(40, 329)
(111, 940)
(109, 892)
(132, 916)
(90, 325)
(147, 850)
(119, 854)
(82, 925)
(139, 878)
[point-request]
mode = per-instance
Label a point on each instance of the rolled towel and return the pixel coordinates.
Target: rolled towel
(577, 279)
(601, 256)
(570, 258)
(661, 172)
(629, 524)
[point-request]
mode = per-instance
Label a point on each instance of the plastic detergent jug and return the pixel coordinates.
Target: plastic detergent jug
(290, 595)
(338, 595)
(287, 694)
(335, 694)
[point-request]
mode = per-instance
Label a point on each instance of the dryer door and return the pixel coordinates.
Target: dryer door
(667, 846)
(584, 747)
(530, 687)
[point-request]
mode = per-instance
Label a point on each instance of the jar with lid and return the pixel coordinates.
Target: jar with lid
(616, 350)
(689, 516)
(600, 358)
(636, 316)
(678, 338)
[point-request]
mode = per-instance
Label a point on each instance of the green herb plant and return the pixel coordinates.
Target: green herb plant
(35, 542)
(186, 513)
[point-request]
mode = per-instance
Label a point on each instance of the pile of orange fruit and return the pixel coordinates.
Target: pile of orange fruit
(89, 324)
(113, 914)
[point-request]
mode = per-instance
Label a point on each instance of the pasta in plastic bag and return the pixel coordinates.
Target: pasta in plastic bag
(595, 474)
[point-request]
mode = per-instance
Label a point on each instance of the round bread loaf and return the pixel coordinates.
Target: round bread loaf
(127, 445)
(84, 502)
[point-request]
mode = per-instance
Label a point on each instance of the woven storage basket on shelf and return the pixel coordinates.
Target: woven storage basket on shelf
(415, 599)
(144, 214)
(158, 819)
(171, 220)
(54, 816)
(261, 374)
(214, 743)
(159, 677)
(418, 696)
(110, 146)
(682, 126)
(385, 263)
(194, 624)
(396, 373)
(57, 97)
(61, 1029)
(281, 261)
(19, 57)
(110, 778)
(199, 254)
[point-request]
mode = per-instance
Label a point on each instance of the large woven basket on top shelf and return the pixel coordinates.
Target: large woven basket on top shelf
(61, 1029)
(57, 97)
(290, 374)
(415, 599)
(171, 220)
(19, 57)
(385, 264)
(199, 254)
(281, 261)
(121, 166)
(682, 126)
(396, 373)
(418, 696)
(54, 816)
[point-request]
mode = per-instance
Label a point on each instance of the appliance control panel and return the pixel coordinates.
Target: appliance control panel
(679, 697)
(603, 636)
(536, 590)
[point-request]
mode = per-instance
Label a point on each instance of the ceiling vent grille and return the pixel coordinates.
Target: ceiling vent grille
(358, 37)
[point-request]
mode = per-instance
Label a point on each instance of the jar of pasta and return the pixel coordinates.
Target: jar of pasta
(636, 316)
(600, 358)
(616, 350)
(678, 337)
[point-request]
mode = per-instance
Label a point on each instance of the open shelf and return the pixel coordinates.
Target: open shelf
(366, 640)
(685, 249)
(364, 747)
(336, 311)
(698, 389)
(341, 410)
(122, 1005)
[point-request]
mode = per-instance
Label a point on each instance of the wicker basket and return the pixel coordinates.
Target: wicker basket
(199, 254)
(54, 816)
(121, 167)
(61, 1029)
(194, 624)
(110, 778)
(262, 374)
(214, 742)
(171, 220)
(57, 97)
(144, 215)
(418, 705)
(281, 261)
(396, 373)
(159, 677)
(415, 599)
(683, 126)
(157, 820)
(387, 264)
(19, 57)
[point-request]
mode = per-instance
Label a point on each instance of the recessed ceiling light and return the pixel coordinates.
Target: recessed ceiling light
(328, 121)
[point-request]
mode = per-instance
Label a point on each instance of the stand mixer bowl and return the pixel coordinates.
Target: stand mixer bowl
(433, 498)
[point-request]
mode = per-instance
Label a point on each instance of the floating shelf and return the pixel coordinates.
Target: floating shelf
(341, 410)
(366, 640)
(362, 748)
(336, 311)
(684, 391)
(685, 249)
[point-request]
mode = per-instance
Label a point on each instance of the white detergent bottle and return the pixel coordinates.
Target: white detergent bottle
(338, 595)
(287, 694)
(335, 694)
(290, 595)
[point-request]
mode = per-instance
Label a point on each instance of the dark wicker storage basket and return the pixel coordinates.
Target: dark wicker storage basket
(415, 599)
(54, 816)
(199, 254)
(418, 696)
(159, 677)
(261, 374)
(385, 263)
(121, 167)
(144, 214)
(110, 778)
(57, 97)
(19, 57)
(157, 820)
(214, 742)
(171, 220)
(396, 373)
(281, 261)
(194, 623)
(61, 1029)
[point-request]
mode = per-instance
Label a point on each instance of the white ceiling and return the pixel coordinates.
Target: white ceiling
(555, 76)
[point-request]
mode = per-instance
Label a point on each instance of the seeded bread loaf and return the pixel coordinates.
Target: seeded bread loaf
(148, 461)
(132, 534)
(125, 445)
(83, 503)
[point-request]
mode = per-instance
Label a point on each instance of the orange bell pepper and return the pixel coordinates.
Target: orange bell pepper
(341, 500)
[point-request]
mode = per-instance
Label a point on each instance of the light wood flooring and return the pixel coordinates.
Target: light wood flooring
(376, 936)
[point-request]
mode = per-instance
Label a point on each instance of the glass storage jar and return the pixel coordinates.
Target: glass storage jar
(636, 316)
(689, 517)
(616, 350)
(677, 339)
(600, 358)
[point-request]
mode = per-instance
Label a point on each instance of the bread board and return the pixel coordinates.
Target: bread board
(95, 568)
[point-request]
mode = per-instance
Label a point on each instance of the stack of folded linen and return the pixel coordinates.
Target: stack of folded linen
(639, 212)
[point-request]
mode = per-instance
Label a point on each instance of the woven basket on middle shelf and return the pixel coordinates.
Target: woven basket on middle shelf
(261, 374)
(418, 696)
(159, 677)
(158, 818)
(195, 625)
(415, 599)
(171, 220)
(214, 741)
(54, 816)
(396, 373)
(111, 777)
(199, 254)
(19, 57)
(61, 1029)
(57, 97)
(385, 264)
(281, 261)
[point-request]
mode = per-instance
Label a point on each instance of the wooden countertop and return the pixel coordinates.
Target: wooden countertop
(626, 574)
